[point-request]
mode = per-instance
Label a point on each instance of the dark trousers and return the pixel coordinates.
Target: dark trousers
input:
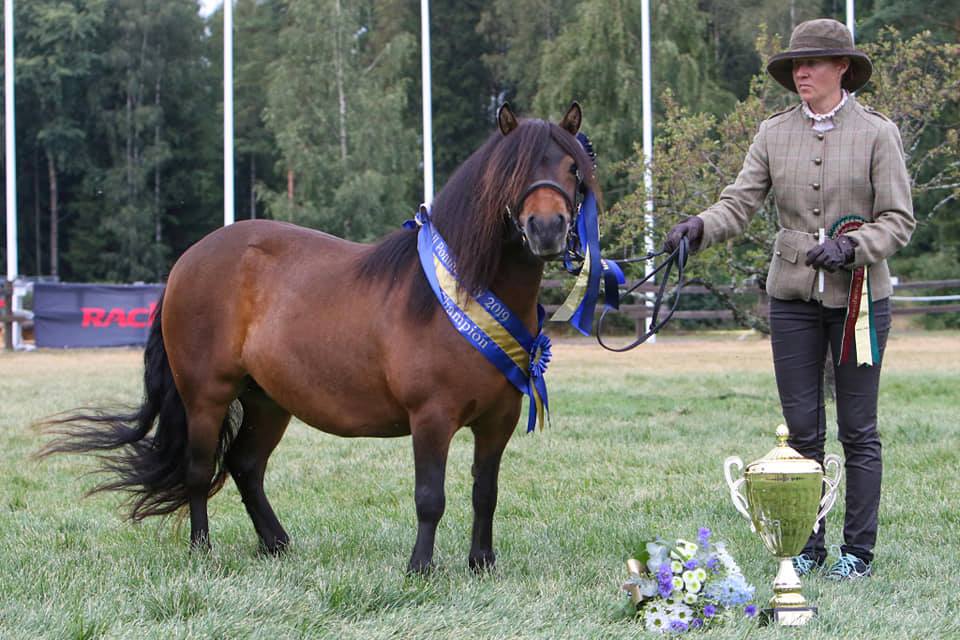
(800, 332)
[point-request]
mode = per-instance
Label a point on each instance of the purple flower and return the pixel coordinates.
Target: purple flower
(665, 572)
(703, 536)
(750, 610)
(696, 623)
(709, 611)
(679, 626)
(690, 564)
(713, 564)
(665, 580)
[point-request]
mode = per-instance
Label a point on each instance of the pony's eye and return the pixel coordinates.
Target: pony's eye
(573, 169)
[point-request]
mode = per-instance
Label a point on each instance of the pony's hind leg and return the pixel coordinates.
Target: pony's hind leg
(205, 426)
(264, 423)
(209, 432)
(490, 439)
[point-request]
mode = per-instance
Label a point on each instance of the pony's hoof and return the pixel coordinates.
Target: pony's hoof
(200, 545)
(483, 562)
(276, 548)
(419, 567)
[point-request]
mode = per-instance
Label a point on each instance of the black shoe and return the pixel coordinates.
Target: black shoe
(849, 567)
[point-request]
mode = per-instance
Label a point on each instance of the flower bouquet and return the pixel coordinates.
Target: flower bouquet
(678, 586)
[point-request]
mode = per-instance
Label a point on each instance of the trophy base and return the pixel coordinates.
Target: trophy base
(788, 617)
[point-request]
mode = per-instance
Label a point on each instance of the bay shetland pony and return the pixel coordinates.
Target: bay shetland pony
(348, 337)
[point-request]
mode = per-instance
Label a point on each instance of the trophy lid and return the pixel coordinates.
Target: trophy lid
(783, 459)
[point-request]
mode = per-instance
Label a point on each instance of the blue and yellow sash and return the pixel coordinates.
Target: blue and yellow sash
(488, 324)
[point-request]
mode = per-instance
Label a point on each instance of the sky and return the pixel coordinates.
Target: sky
(208, 6)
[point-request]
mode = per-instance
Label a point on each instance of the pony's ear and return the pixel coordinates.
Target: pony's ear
(571, 120)
(506, 120)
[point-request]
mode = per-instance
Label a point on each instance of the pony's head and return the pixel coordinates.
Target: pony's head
(521, 186)
(551, 173)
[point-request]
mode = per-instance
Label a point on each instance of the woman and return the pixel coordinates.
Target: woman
(826, 159)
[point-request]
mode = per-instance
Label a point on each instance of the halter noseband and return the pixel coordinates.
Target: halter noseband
(573, 207)
(549, 184)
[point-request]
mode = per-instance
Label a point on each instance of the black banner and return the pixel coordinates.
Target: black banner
(90, 315)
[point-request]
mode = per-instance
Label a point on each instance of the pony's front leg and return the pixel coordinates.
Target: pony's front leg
(431, 442)
(489, 443)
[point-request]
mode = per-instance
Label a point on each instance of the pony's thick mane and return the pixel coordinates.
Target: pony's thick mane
(470, 212)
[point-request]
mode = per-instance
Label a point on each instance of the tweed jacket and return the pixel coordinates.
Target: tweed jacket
(856, 168)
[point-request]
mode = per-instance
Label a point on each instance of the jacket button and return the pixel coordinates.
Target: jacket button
(816, 212)
(818, 161)
(819, 136)
(779, 253)
(816, 186)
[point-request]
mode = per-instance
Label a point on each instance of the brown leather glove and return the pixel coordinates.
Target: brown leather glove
(692, 228)
(832, 254)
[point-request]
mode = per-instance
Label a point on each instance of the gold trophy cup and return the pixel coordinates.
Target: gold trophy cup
(785, 501)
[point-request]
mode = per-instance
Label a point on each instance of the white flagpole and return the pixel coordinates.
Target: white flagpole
(11, 156)
(647, 148)
(427, 101)
(850, 18)
(228, 206)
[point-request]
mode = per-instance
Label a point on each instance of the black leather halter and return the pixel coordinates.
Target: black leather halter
(549, 184)
(573, 204)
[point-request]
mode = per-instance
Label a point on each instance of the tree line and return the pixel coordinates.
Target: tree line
(119, 110)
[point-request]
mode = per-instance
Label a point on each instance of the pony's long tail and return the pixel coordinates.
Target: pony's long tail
(151, 468)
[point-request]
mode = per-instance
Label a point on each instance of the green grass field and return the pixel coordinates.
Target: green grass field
(635, 449)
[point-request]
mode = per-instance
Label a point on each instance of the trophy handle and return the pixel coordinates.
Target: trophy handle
(739, 501)
(833, 486)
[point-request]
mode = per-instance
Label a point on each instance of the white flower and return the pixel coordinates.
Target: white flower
(677, 583)
(655, 618)
(679, 611)
(690, 598)
(690, 581)
(676, 567)
(684, 550)
(700, 574)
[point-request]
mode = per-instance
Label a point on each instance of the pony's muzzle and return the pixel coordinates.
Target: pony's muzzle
(546, 234)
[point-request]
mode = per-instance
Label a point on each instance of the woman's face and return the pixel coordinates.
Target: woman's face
(818, 79)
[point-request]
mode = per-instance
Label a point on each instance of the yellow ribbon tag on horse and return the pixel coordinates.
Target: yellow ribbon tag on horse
(569, 306)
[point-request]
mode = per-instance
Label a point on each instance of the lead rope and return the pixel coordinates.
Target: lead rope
(678, 258)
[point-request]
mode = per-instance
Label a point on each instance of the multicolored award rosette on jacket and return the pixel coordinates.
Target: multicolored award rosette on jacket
(859, 328)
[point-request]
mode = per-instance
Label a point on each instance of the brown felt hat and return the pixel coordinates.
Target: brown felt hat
(821, 38)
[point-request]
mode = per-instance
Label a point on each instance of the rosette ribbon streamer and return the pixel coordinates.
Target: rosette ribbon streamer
(487, 323)
(579, 307)
(859, 328)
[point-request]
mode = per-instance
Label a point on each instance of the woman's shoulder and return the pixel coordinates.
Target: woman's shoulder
(875, 118)
(778, 118)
